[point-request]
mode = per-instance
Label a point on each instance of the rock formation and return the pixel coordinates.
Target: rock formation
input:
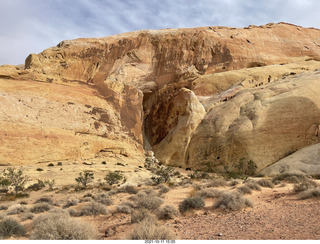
(201, 98)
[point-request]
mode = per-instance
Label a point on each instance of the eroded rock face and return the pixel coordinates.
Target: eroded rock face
(199, 98)
(261, 124)
(47, 122)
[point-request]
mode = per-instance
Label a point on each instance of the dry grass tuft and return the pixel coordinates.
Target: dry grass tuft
(310, 193)
(232, 201)
(40, 208)
(60, 226)
(168, 212)
(10, 227)
(265, 183)
(244, 190)
(191, 203)
(138, 215)
(94, 209)
(150, 230)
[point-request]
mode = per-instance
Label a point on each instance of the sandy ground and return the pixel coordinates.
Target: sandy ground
(277, 213)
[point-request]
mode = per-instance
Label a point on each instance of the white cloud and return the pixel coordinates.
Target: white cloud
(29, 26)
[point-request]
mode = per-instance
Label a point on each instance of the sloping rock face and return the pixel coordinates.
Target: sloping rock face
(199, 98)
(304, 161)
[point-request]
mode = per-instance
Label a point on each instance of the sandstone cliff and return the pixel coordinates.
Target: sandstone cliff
(199, 98)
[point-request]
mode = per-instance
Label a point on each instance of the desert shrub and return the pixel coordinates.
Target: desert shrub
(50, 184)
(10, 227)
(50, 165)
(26, 216)
(162, 174)
(265, 183)
(208, 193)
(232, 201)
(163, 189)
(70, 203)
(233, 183)
(148, 201)
(16, 209)
(138, 215)
(125, 207)
(113, 178)
(253, 185)
(310, 193)
(246, 167)
(191, 203)
(40, 207)
(306, 185)
(289, 177)
(39, 169)
(94, 209)
(197, 175)
(37, 186)
(74, 213)
(2, 215)
(44, 199)
(103, 199)
(84, 179)
(168, 212)
(16, 178)
(86, 199)
(60, 226)
(217, 183)
(150, 230)
(129, 189)
(244, 190)
(3, 207)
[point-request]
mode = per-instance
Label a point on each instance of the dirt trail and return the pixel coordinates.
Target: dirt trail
(275, 216)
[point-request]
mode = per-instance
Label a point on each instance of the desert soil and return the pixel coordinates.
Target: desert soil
(277, 213)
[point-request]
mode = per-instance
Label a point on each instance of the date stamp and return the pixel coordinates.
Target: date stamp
(160, 241)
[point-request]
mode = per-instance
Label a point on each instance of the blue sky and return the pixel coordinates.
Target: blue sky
(30, 26)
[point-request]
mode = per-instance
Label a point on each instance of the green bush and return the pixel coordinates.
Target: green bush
(113, 178)
(60, 226)
(10, 227)
(162, 174)
(16, 178)
(232, 201)
(84, 179)
(191, 203)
